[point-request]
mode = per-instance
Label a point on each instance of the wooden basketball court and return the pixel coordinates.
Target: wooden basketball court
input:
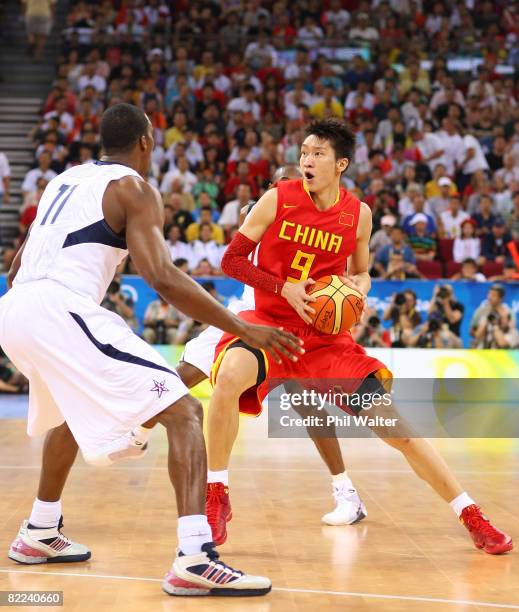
(409, 554)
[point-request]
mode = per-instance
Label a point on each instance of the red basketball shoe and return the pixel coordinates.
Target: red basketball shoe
(218, 510)
(485, 535)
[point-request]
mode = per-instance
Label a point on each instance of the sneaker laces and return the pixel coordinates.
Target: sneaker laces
(213, 503)
(60, 535)
(343, 494)
(214, 557)
(476, 520)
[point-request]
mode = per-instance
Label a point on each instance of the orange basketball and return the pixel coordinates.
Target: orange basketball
(337, 307)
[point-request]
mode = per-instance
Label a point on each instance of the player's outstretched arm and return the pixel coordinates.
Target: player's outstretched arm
(144, 219)
(236, 263)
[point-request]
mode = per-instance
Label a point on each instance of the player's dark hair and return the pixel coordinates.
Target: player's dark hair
(121, 127)
(338, 133)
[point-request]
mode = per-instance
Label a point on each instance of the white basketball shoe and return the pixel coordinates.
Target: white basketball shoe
(349, 508)
(204, 574)
(38, 545)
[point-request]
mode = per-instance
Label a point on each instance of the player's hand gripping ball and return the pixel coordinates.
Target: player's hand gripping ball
(338, 307)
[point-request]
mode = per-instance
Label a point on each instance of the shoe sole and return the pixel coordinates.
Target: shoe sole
(499, 551)
(361, 515)
(26, 560)
(201, 592)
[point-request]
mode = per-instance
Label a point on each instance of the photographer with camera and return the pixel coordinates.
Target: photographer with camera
(446, 308)
(370, 332)
(404, 317)
(493, 324)
(117, 302)
(435, 333)
(161, 321)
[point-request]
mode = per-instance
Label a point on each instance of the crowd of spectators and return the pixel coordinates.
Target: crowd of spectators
(429, 87)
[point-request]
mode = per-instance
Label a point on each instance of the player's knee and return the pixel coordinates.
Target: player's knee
(186, 411)
(402, 444)
(233, 379)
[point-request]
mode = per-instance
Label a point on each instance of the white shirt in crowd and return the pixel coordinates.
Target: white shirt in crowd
(478, 161)
(5, 170)
(309, 37)
(230, 214)
(369, 101)
(66, 121)
(206, 250)
(31, 179)
(340, 18)
(179, 249)
(241, 104)
(187, 178)
(452, 225)
(428, 145)
(97, 82)
(465, 248)
(453, 146)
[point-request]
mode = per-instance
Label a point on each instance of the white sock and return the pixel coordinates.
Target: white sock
(141, 434)
(462, 501)
(342, 480)
(45, 514)
(193, 531)
(219, 476)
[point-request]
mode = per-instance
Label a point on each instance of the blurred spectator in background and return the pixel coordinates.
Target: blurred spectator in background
(484, 217)
(29, 184)
(469, 272)
(446, 309)
(230, 216)
(38, 23)
(421, 240)
(116, 301)
(370, 332)
(161, 321)
(466, 246)
(404, 316)
(491, 312)
(205, 247)
(11, 381)
(178, 248)
(206, 216)
(495, 243)
(397, 246)
(5, 179)
(451, 219)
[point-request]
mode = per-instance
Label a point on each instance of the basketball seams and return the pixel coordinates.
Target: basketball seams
(330, 297)
(339, 293)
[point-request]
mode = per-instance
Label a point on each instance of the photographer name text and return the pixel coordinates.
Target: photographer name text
(338, 421)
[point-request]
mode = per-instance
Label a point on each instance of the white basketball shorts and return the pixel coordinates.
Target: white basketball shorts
(199, 352)
(84, 364)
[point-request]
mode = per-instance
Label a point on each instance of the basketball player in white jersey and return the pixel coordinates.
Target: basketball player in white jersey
(92, 379)
(195, 366)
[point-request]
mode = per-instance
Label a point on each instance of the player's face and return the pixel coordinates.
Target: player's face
(318, 163)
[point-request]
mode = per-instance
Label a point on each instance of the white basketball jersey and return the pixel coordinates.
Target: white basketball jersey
(70, 242)
(248, 292)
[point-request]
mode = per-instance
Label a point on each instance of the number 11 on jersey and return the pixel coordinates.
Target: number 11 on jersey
(64, 193)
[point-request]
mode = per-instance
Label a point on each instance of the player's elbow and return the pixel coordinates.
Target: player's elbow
(227, 264)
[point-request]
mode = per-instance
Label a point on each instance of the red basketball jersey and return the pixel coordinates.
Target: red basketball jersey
(304, 242)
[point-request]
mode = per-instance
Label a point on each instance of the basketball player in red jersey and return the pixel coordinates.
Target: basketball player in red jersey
(308, 229)
(195, 365)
